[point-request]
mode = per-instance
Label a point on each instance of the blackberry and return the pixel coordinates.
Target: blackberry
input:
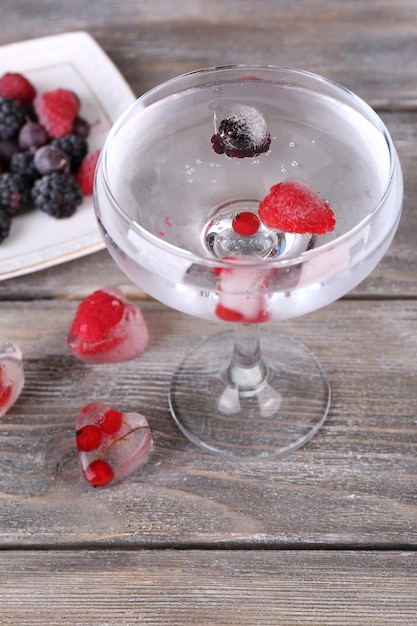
(14, 193)
(23, 163)
(11, 118)
(57, 194)
(75, 148)
(5, 222)
(241, 134)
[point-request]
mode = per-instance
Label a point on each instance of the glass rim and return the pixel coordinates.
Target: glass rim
(202, 259)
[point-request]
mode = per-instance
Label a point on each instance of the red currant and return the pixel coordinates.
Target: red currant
(245, 223)
(111, 421)
(99, 473)
(88, 438)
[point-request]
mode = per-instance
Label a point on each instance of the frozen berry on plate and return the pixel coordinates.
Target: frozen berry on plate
(293, 207)
(32, 136)
(11, 118)
(57, 194)
(81, 127)
(23, 163)
(85, 174)
(243, 133)
(15, 86)
(50, 159)
(107, 328)
(8, 147)
(56, 111)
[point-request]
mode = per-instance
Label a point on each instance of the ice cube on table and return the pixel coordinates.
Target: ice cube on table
(111, 444)
(12, 377)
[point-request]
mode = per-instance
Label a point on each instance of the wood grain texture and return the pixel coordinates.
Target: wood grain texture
(208, 587)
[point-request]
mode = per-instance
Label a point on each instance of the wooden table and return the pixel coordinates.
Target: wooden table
(326, 535)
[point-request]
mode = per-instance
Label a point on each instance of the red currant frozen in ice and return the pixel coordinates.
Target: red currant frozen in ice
(245, 223)
(88, 438)
(110, 421)
(99, 473)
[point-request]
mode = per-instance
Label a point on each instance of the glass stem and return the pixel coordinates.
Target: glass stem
(247, 369)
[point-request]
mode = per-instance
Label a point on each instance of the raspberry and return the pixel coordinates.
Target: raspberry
(85, 174)
(88, 438)
(5, 223)
(57, 194)
(245, 223)
(11, 118)
(16, 87)
(75, 148)
(56, 111)
(14, 192)
(97, 314)
(293, 207)
(99, 473)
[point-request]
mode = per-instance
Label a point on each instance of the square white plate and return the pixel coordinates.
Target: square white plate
(73, 61)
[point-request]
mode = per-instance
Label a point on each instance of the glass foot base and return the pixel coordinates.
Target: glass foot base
(238, 422)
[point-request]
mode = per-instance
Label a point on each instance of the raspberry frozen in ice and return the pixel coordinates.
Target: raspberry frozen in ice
(12, 377)
(111, 444)
(242, 133)
(107, 328)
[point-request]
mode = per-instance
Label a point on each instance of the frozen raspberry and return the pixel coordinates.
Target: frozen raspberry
(85, 174)
(11, 118)
(57, 194)
(56, 111)
(293, 207)
(17, 87)
(75, 148)
(243, 133)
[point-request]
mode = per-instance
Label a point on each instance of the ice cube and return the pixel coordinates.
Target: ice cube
(12, 376)
(240, 131)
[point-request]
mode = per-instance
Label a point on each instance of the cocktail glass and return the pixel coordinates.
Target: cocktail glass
(166, 200)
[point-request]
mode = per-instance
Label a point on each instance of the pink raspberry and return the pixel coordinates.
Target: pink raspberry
(85, 174)
(56, 111)
(17, 87)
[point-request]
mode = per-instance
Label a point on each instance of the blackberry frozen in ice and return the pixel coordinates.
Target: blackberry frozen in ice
(242, 133)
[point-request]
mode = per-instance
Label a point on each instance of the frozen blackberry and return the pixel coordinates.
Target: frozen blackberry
(243, 133)
(14, 192)
(5, 223)
(57, 194)
(11, 118)
(75, 148)
(23, 163)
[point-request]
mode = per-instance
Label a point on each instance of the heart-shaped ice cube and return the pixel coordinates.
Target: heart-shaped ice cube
(107, 328)
(11, 375)
(111, 444)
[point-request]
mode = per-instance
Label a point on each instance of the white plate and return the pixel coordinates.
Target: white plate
(73, 61)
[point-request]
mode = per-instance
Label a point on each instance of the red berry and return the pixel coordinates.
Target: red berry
(95, 318)
(293, 207)
(56, 111)
(15, 86)
(110, 421)
(99, 473)
(85, 174)
(228, 315)
(88, 438)
(245, 223)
